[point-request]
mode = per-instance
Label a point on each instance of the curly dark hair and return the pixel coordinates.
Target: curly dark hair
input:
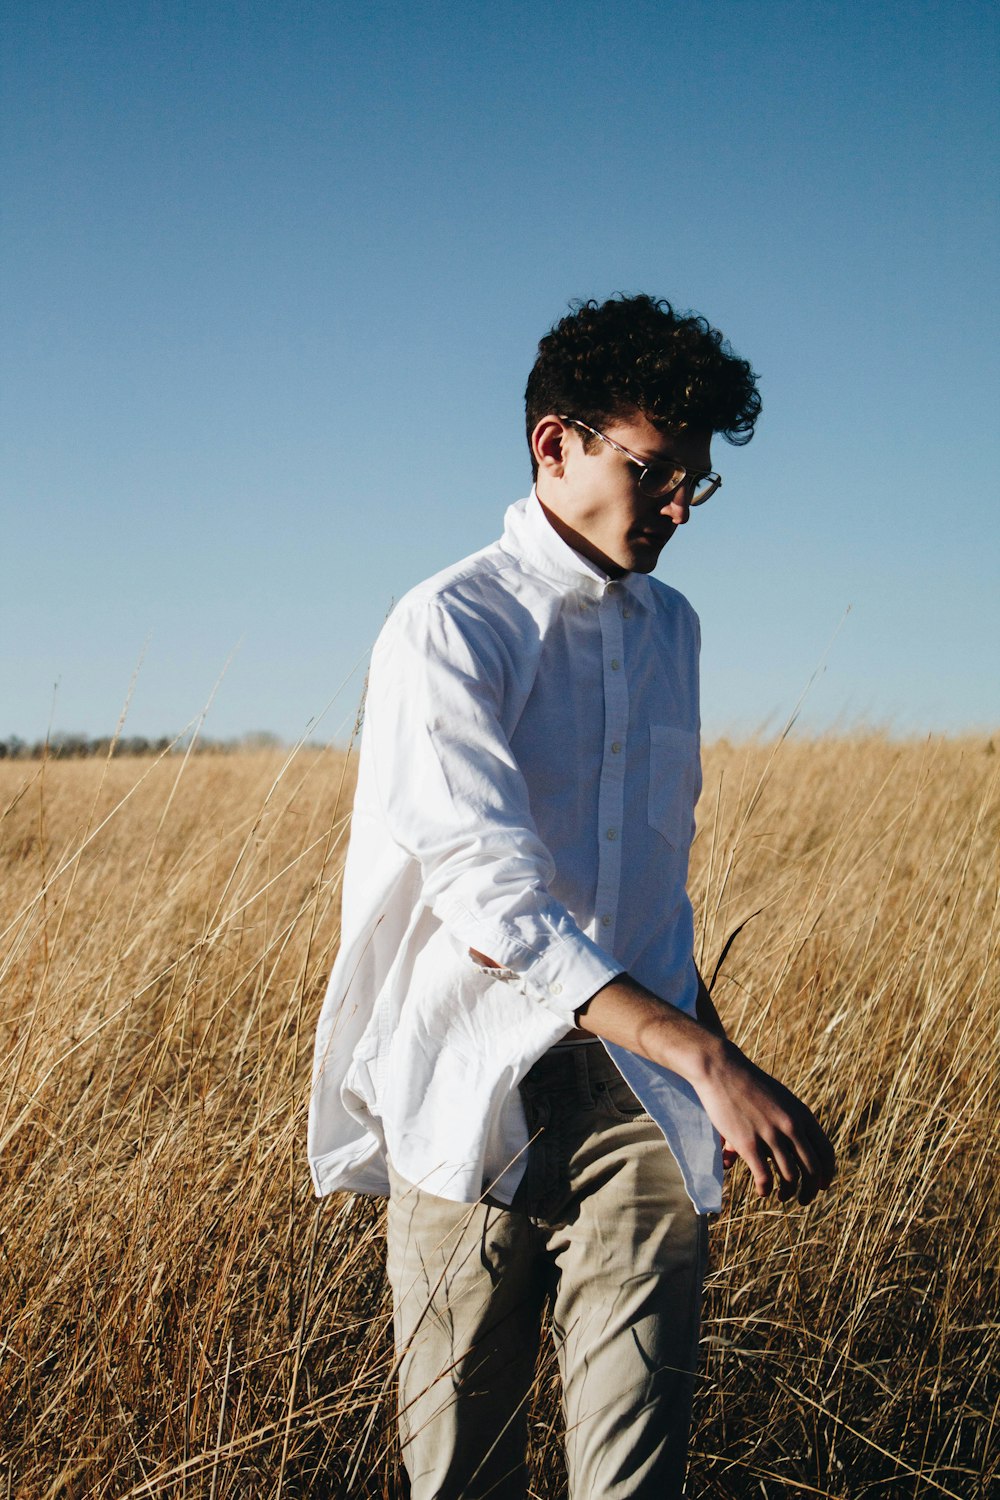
(604, 361)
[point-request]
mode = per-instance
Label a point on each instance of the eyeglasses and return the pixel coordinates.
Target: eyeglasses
(658, 480)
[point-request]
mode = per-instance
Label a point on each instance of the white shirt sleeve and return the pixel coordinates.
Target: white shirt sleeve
(455, 800)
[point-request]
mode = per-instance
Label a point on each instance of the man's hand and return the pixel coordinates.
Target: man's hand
(758, 1118)
(765, 1124)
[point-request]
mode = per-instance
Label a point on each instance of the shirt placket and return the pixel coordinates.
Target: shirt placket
(611, 796)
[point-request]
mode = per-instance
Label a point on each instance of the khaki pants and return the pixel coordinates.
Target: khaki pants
(601, 1224)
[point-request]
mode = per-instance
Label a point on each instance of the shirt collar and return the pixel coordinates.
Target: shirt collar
(529, 535)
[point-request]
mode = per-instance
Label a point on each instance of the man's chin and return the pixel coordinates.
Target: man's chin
(646, 554)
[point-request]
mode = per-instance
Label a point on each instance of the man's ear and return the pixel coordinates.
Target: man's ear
(548, 443)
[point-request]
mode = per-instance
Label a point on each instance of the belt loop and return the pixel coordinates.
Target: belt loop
(584, 1090)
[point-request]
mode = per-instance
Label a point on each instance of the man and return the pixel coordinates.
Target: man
(516, 1043)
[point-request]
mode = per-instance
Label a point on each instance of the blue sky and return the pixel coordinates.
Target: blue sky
(273, 276)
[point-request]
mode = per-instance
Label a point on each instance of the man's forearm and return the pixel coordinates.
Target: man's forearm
(758, 1118)
(625, 1012)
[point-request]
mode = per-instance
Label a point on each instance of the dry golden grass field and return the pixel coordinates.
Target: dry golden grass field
(180, 1318)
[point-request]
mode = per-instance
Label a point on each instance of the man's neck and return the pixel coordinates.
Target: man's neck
(580, 543)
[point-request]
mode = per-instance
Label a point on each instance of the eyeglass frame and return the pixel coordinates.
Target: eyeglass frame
(644, 466)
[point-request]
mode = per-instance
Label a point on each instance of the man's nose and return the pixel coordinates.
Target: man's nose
(677, 505)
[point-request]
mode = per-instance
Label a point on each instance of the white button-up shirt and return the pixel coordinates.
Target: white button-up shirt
(528, 772)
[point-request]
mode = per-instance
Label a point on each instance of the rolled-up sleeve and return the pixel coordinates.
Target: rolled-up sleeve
(455, 800)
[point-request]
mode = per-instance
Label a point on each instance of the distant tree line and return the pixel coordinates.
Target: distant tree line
(64, 745)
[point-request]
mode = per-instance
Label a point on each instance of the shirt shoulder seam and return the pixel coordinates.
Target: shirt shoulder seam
(439, 591)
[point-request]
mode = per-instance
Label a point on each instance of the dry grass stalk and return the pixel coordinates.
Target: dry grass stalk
(180, 1320)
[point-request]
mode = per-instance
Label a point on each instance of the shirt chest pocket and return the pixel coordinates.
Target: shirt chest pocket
(674, 782)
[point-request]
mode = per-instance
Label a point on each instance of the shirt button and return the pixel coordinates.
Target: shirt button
(612, 833)
(615, 664)
(626, 614)
(605, 921)
(555, 989)
(616, 748)
(612, 588)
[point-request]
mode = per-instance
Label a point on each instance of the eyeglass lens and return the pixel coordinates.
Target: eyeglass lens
(660, 480)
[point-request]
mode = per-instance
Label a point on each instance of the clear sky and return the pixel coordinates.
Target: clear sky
(273, 276)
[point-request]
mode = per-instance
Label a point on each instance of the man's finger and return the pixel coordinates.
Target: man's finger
(790, 1173)
(820, 1153)
(760, 1169)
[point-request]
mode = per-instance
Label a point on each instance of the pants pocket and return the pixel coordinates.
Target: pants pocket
(617, 1099)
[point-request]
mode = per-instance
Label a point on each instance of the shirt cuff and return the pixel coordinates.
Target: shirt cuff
(568, 974)
(563, 976)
